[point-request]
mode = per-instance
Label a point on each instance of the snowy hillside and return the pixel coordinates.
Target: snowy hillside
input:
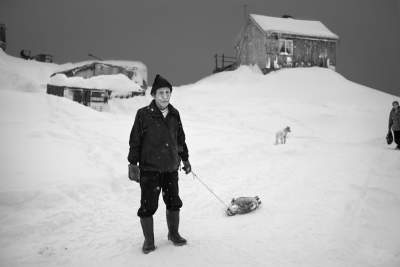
(24, 75)
(331, 195)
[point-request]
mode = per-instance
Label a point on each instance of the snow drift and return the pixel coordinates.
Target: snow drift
(331, 195)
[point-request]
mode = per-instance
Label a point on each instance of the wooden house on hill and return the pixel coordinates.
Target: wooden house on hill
(274, 43)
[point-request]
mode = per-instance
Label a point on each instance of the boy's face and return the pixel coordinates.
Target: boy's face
(162, 97)
(396, 105)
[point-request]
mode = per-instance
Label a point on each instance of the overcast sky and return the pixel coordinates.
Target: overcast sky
(178, 38)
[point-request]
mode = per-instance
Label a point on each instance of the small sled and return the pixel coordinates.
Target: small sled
(242, 205)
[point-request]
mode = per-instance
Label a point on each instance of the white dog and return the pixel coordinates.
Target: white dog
(280, 137)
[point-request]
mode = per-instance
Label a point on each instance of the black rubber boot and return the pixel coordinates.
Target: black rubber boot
(173, 226)
(148, 232)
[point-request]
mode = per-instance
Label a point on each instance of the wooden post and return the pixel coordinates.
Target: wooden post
(223, 61)
(216, 62)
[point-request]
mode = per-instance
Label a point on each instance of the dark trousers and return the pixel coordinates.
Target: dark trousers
(396, 137)
(151, 184)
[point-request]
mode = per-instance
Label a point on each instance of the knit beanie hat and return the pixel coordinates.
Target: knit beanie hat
(160, 82)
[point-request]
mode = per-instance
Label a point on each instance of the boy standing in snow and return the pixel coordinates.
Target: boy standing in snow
(394, 123)
(157, 146)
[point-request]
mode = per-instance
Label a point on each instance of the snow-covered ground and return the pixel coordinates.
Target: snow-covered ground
(331, 195)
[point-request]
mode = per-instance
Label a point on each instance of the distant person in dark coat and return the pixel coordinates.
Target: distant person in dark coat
(157, 147)
(394, 123)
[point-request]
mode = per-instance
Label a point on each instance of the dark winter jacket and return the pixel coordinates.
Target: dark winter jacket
(157, 143)
(394, 119)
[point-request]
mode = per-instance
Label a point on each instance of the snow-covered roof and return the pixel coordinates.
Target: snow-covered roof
(126, 63)
(122, 63)
(307, 28)
(139, 77)
(115, 82)
(141, 67)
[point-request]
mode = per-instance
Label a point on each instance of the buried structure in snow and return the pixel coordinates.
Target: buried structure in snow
(94, 83)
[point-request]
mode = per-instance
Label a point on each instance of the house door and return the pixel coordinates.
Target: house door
(86, 97)
(77, 96)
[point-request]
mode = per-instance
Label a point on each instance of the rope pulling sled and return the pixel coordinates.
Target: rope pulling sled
(239, 205)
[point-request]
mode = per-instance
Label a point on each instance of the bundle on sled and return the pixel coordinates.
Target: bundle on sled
(242, 205)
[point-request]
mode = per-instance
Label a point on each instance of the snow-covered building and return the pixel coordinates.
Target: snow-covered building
(93, 83)
(274, 43)
(3, 43)
(135, 72)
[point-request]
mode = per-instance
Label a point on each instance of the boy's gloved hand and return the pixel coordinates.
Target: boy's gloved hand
(187, 167)
(134, 173)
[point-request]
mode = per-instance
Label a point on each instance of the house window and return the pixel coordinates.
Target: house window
(285, 47)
